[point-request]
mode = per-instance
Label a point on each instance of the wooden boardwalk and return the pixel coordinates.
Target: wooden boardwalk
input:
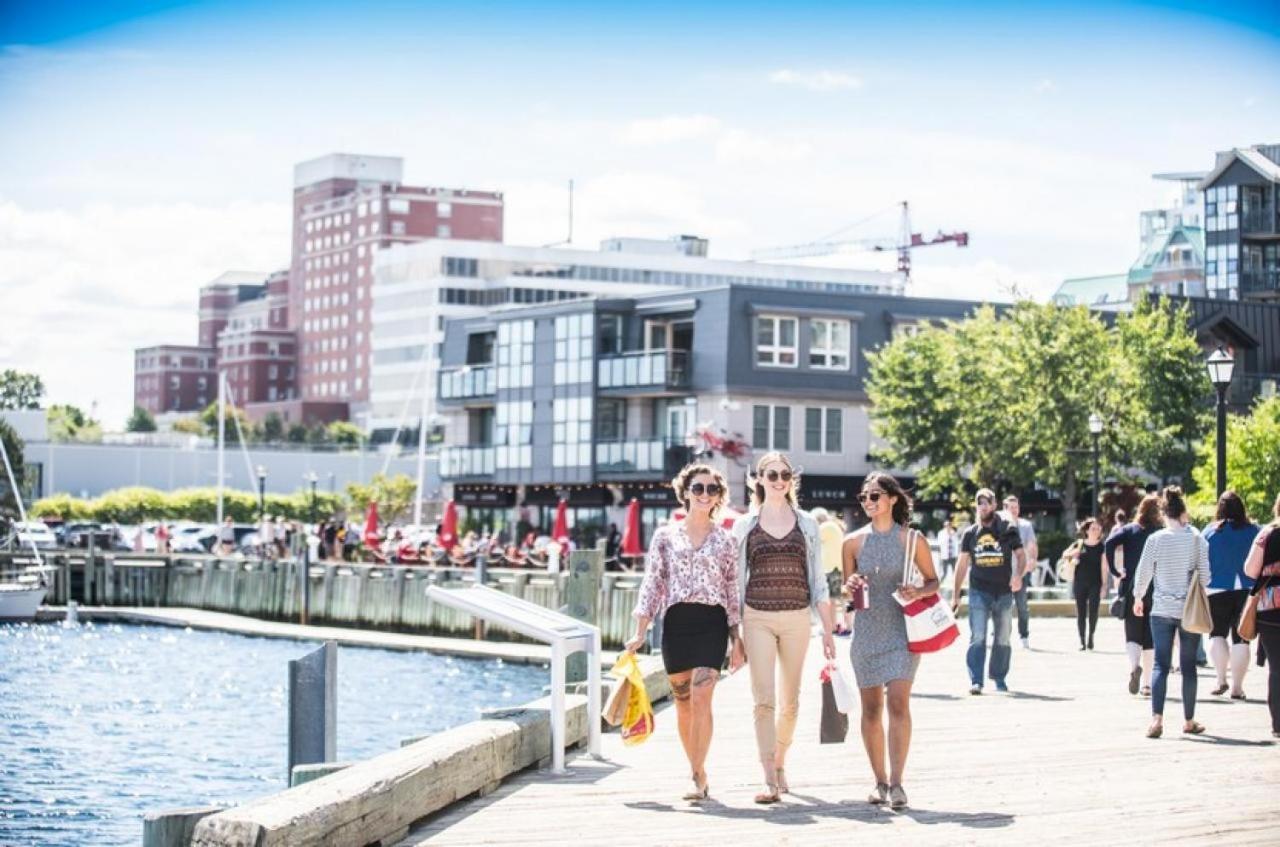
(1061, 759)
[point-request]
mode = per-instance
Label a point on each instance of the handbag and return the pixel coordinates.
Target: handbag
(616, 709)
(1196, 617)
(835, 723)
(1247, 626)
(1117, 607)
(931, 626)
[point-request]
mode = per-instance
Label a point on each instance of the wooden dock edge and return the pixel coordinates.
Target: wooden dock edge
(377, 800)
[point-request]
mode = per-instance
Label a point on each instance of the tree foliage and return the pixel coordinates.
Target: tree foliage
(13, 449)
(70, 423)
(272, 428)
(1253, 459)
(141, 421)
(136, 504)
(20, 390)
(394, 496)
(1003, 399)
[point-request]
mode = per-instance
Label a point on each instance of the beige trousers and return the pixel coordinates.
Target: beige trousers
(776, 643)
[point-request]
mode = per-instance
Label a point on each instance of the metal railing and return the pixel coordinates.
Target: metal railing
(653, 455)
(644, 368)
(467, 381)
(1260, 280)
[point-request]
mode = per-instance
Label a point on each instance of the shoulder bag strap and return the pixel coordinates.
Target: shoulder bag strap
(908, 559)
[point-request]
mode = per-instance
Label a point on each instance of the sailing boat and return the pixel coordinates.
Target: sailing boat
(22, 593)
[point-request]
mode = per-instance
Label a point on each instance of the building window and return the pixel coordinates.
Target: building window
(571, 432)
(513, 434)
(776, 341)
(460, 267)
(573, 351)
(823, 430)
(515, 354)
(398, 206)
(612, 417)
(829, 344)
(397, 227)
(610, 334)
(444, 210)
(375, 206)
(771, 427)
(443, 231)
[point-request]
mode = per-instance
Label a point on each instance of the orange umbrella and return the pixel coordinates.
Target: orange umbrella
(631, 545)
(561, 530)
(371, 524)
(449, 526)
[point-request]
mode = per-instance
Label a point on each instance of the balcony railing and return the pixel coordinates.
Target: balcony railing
(651, 456)
(1260, 281)
(458, 462)
(467, 381)
(644, 369)
(1258, 221)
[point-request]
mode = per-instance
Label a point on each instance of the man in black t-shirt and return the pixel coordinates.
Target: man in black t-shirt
(994, 548)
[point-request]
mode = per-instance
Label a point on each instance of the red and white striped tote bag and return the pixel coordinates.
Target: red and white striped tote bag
(930, 624)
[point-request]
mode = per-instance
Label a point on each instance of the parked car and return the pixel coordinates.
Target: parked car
(193, 538)
(77, 534)
(25, 535)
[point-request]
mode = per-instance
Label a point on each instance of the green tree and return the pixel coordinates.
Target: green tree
(191, 426)
(318, 434)
(13, 449)
(140, 421)
(272, 428)
(1253, 460)
(394, 496)
(344, 433)
(70, 423)
(296, 434)
(20, 390)
(209, 417)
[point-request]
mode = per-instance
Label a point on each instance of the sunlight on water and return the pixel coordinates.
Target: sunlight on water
(100, 724)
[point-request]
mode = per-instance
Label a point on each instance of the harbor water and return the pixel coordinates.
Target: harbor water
(100, 724)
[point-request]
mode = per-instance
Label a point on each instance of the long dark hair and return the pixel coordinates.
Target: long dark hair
(1231, 509)
(891, 486)
(1172, 503)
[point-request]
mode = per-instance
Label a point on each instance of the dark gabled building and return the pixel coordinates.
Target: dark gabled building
(1242, 224)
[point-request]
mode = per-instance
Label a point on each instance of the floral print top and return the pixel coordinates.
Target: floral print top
(678, 572)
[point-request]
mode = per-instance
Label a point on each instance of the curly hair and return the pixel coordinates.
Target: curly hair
(1148, 513)
(757, 490)
(890, 485)
(681, 482)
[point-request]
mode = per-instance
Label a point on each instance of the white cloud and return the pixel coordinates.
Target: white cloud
(816, 80)
(84, 287)
(668, 129)
(739, 147)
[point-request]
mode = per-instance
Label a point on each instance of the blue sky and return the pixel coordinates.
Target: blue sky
(148, 146)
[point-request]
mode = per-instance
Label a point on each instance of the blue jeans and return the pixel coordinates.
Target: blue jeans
(1024, 612)
(1162, 632)
(998, 609)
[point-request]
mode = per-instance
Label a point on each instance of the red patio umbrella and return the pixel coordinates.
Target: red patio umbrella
(560, 532)
(631, 545)
(371, 524)
(448, 535)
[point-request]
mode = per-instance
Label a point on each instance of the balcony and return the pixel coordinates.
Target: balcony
(467, 382)
(1258, 222)
(644, 457)
(463, 462)
(1259, 281)
(646, 370)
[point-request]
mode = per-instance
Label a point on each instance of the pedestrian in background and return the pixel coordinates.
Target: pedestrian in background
(1230, 538)
(831, 533)
(994, 547)
(1169, 560)
(1031, 551)
(1263, 565)
(948, 546)
(1089, 580)
(1123, 551)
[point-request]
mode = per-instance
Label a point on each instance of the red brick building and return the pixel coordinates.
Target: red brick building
(347, 208)
(174, 378)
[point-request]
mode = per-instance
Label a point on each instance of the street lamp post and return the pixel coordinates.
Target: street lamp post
(262, 495)
(1095, 430)
(1220, 365)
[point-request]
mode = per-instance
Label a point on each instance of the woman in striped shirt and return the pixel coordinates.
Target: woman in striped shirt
(1168, 559)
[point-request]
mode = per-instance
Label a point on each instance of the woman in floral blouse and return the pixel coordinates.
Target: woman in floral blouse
(691, 582)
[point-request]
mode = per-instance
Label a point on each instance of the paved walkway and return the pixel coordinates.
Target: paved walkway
(1061, 759)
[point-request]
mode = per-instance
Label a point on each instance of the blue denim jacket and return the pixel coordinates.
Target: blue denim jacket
(818, 591)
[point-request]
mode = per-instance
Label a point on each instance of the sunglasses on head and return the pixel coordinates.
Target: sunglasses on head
(985, 501)
(712, 489)
(872, 496)
(774, 476)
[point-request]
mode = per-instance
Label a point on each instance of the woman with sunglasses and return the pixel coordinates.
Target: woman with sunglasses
(780, 579)
(873, 559)
(691, 583)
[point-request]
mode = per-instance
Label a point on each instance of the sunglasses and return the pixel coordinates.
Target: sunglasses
(872, 496)
(711, 489)
(774, 476)
(986, 501)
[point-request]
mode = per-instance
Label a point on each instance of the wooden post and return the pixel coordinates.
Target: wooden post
(109, 580)
(86, 584)
(313, 708)
(582, 595)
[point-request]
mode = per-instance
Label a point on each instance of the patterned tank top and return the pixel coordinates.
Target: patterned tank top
(777, 580)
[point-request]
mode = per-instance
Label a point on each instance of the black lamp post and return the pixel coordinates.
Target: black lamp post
(262, 495)
(1095, 430)
(1220, 365)
(313, 479)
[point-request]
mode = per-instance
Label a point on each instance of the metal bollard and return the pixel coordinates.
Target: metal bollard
(313, 708)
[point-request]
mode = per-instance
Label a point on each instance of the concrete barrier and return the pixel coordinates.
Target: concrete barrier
(173, 827)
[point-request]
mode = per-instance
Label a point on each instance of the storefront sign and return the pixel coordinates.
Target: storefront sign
(484, 497)
(819, 490)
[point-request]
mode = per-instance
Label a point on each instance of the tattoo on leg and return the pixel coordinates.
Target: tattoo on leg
(705, 676)
(680, 690)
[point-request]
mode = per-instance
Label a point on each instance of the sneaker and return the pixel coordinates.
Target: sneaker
(1134, 676)
(1026, 643)
(1001, 686)
(975, 689)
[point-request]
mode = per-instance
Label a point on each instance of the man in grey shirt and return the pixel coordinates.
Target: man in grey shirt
(1028, 535)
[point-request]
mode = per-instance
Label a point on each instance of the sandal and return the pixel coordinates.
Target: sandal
(783, 788)
(1155, 730)
(765, 798)
(879, 795)
(1219, 691)
(698, 794)
(1193, 729)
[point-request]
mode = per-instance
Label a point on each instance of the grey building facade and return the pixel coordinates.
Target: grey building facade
(1242, 224)
(602, 400)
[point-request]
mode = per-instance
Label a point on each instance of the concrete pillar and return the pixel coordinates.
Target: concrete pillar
(582, 598)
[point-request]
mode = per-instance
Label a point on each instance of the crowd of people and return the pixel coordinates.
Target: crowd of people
(747, 594)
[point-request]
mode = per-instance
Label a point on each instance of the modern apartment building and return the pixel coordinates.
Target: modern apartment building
(602, 400)
(420, 287)
(346, 208)
(1242, 224)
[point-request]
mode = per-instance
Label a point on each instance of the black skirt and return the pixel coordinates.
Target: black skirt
(1225, 607)
(694, 635)
(1138, 629)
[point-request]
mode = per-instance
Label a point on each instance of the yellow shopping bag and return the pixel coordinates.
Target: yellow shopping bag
(637, 723)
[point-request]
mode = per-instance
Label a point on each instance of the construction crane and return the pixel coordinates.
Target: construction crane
(831, 246)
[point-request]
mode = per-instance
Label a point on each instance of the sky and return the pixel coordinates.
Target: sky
(148, 146)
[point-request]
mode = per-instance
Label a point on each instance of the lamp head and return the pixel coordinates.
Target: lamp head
(1220, 364)
(1095, 424)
